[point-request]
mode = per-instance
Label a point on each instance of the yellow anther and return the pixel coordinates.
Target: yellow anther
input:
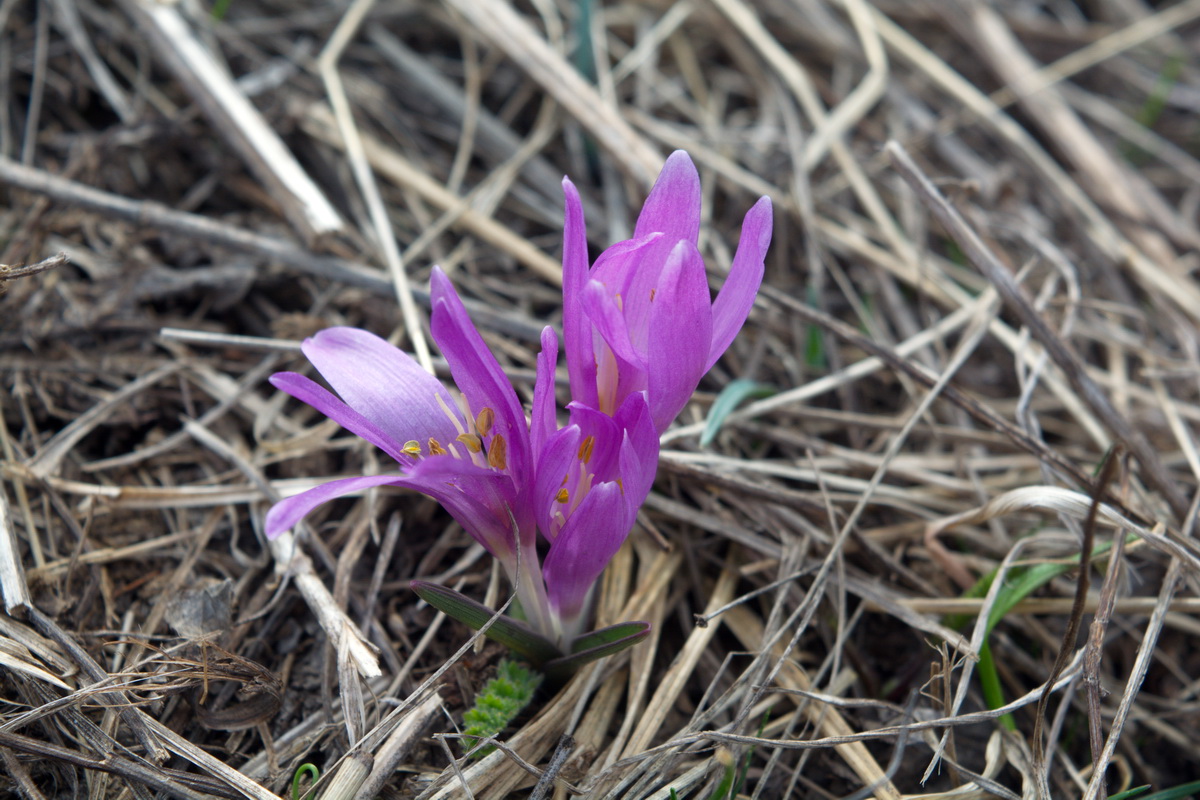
(497, 453)
(652, 291)
(562, 496)
(585, 449)
(471, 441)
(484, 422)
(412, 447)
(435, 448)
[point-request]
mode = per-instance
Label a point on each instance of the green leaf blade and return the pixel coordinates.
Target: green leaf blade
(598, 644)
(505, 630)
(727, 402)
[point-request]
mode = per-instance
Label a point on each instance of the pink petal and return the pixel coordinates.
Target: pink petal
(680, 333)
(638, 460)
(630, 270)
(544, 419)
(477, 372)
(673, 210)
(609, 320)
(606, 440)
(556, 461)
(584, 546)
(736, 297)
(482, 500)
(673, 206)
(286, 513)
(577, 332)
(310, 392)
(620, 368)
(382, 383)
(617, 265)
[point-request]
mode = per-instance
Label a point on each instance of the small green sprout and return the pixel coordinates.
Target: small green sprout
(501, 700)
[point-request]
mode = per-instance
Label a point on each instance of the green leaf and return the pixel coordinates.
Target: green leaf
(989, 681)
(507, 631)
(1021, 582)
(729, 399)
(1180, 792)
(1134, 792)
(814, 345)
(607, 641)
(501, 700)
(613, 633)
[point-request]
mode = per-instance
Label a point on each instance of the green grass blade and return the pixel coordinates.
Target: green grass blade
(729, 399)
(1022, 582)
(1174, 793)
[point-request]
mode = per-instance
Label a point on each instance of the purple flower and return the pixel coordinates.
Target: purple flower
(639, 332)
(591, 478)
(641, 320)
(499, 476)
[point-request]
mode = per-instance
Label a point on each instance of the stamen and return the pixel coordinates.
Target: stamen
(412, 447)
(497, 452)
(471, 442)
(455, 419)
(435, 448)
(585, 449)
(484, 422)
(652, 291)
(563, 496)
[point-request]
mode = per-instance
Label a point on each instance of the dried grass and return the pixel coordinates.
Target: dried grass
(980, 284)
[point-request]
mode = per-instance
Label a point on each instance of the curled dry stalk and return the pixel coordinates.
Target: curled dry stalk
(1106, 477)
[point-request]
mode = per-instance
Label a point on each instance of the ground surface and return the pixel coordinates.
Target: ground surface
(954, 331)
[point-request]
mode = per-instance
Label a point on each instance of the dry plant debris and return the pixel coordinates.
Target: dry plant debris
(868, 585)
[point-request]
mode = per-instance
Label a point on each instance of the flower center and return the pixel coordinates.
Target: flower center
(470, 443)
(575, 486)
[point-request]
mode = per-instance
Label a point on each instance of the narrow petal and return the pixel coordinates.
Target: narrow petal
(736, 297)
(287, 512)
(618, 264)
(382, 383)
(482, 500)
(672, 209)
(477, 372)
(577, 332)
(555, 462)
(638, 461)
(606, 440)
(620, 367)
(673, 205)
(680, 333)
(310, 392)
(630, 272)
(609, 320)
(544, 419)
(584, 547)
